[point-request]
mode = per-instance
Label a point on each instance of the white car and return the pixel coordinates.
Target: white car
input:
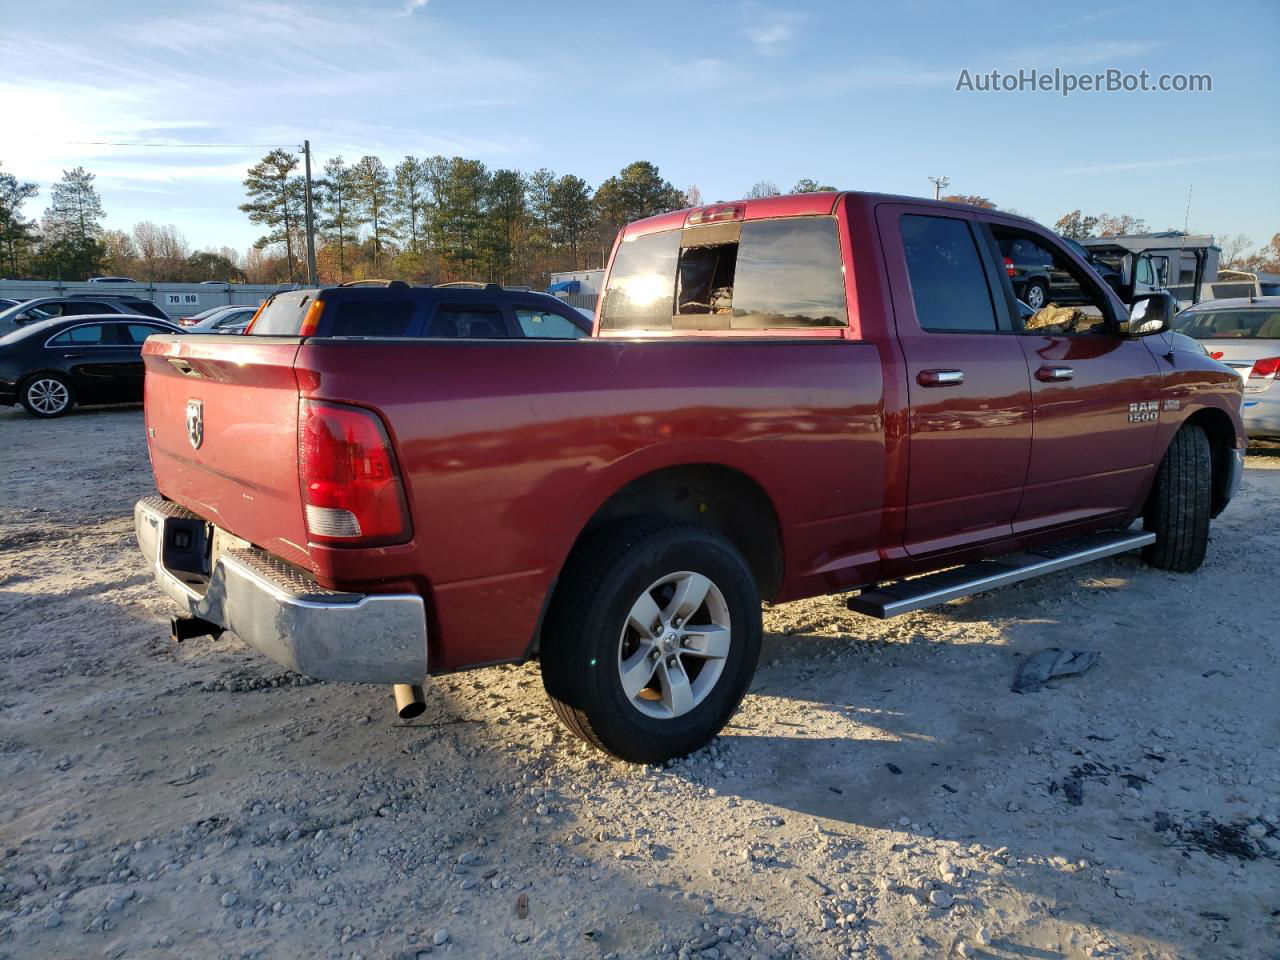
(1245, 335)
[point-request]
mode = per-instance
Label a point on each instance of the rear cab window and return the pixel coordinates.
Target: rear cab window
(757, 275)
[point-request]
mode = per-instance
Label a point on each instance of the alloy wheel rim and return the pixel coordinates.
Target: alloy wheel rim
(673, 647)
(1035, 297)
(48, 396)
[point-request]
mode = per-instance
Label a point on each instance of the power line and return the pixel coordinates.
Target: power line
(172, 146)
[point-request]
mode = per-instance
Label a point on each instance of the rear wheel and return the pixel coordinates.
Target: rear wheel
(1036, 295)
(47, 395)
(1181, 500)
(652, 639)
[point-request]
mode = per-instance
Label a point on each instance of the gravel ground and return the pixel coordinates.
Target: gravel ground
(881, 793)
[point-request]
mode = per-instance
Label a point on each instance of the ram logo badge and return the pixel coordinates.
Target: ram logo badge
(195, 423)
(1144, 412)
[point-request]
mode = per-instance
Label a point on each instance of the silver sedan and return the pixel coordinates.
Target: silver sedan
(1245, 335)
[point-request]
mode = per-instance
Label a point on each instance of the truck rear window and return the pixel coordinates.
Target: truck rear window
(758, 275)
(283, 314)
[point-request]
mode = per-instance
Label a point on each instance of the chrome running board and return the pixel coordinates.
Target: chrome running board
(903, 596)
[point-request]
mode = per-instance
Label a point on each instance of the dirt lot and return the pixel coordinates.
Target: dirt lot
(881, 793)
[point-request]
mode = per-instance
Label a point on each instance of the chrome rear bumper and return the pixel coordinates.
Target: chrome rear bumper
(283, 613)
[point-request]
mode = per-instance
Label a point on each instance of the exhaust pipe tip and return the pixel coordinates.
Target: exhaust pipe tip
(410, 701)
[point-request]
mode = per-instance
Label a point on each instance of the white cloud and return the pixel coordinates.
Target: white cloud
(1068, 55)
(770, 31)
(1162, 162)
(412, 5)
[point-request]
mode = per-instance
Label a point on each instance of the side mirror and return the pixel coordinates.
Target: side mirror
(1150, 313)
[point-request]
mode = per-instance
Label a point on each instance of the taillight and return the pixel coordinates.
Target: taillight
(351, 488)
(312, 320)
(1009, 268)
(1217, 354)
(187, 321)
(1268, 367)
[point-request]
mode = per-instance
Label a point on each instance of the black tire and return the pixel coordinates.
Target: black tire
(1181, 500)
(583, 638)
(40, 394)
(1030, 298)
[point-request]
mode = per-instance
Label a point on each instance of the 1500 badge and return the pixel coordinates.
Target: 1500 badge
(1144, 412)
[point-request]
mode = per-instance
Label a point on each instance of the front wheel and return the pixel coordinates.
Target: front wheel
(652, 639)
(1178, 509)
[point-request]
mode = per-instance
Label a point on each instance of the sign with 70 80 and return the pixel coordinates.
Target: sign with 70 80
(182, 299)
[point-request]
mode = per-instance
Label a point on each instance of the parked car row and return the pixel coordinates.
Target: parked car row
(76, 304)
(51, 365)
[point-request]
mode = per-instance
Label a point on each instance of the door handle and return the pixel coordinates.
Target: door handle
(1048, 374)
(68, 356)
(940, 378)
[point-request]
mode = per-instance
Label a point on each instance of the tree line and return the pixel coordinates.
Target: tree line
(429, 219)
(436, 219)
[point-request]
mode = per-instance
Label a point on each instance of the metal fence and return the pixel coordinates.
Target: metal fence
(587, 301)
(175, 299)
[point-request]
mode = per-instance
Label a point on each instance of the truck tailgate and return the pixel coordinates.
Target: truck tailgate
(222, 427)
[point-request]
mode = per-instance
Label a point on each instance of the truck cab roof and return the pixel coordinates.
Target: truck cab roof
(397, 309)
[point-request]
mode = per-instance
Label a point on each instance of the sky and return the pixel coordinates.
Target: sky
(718, 94)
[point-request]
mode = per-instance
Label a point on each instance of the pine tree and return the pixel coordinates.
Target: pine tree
(571, 213)
(371, 193)
(70, 248)
(340, 223)
(505, 212)
(276, 201)
(15, 230)
(75, 210)
(411, 199)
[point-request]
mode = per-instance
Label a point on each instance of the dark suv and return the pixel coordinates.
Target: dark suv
(77, 304)
(475, 312)
(1037, 278)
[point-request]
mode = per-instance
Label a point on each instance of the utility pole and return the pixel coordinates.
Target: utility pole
(312, 279)
(939, 184)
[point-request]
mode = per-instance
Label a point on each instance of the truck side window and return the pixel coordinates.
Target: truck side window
(372, 318)
(483, 322)
(948, 285)
(1060, 298)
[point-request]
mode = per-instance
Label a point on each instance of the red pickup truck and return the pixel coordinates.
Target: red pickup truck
(782, 398)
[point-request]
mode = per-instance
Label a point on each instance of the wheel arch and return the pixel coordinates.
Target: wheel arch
(1221, 432)
(723, 498)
